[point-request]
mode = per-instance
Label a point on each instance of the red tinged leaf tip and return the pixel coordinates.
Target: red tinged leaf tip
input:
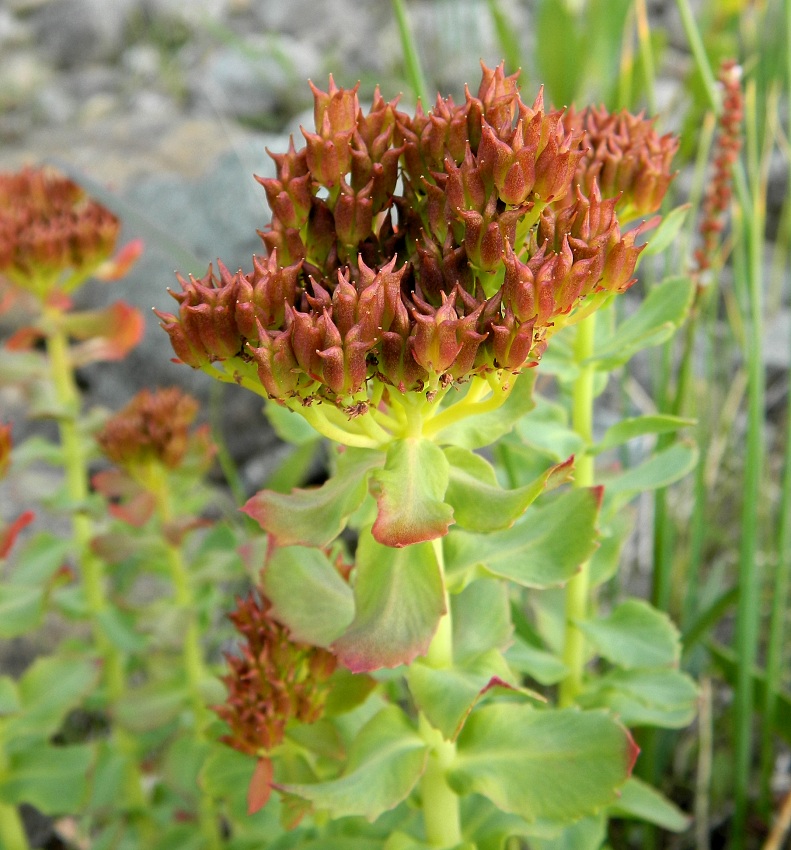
(260, 788)
(598, 495)
(409, 493)
(108, 334)
(632, 752)
(9, 534)
(399, 600)
(122, 262)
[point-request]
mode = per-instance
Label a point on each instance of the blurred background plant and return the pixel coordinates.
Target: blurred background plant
(168, 108)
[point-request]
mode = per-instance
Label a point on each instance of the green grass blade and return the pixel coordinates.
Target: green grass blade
(750, 220)
(782, 575)
(414, 69)
(506, 37)
(699, 52)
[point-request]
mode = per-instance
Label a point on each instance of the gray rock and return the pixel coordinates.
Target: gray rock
(196, 14)
(142, 61)
(256, 78)
(75, 31)
(13, 32)
(55, 104)
(22, 74)
(347, 33)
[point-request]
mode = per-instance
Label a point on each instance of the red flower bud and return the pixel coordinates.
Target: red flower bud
(512, 342)
(353, 214)
(278, 369)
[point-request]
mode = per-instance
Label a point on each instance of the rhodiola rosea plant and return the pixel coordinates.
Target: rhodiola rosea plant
(407, 630)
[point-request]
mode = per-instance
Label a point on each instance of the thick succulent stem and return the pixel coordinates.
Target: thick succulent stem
(192, 654)
(441, 813)
(91, 566)
(12, 833)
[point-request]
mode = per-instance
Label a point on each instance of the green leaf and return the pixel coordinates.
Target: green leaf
(21, 609)
(152, 705)
(39, 559)
(543, 666)
(660, 470)
(547, 427)
(289, 426)
(638, 426)
(226, 771)
(399, 600)
(473, 483)
(409, 493)
(446, 696)
(347, 691)
(183, 836)
(635, 634)
(488, 827)
(559, 359)
(385, 761)
(483, 429)
(48, 690)
(9, 696)
(544, 549)
(612, 538)
(642, 802)
(343, 842)
(586, 834)
(294, 579)
(315, 517)
(664, 698)
(119, 627)
(481, 618)
(182, 764)
(53, 779)
(107, 780)
(556, 764)
(663, 310)
(666, 232)
(322, 738)
(37, 449)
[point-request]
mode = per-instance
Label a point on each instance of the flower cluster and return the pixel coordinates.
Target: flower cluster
(49, 227)
(625, 157)
(415, 251)
(729, 143)
(153, 427)
(273, 680)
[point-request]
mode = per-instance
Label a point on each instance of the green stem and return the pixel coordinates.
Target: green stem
(337, 433)
(12, 833)
(440, 803)
(441, 813)
(470, 405)
(91, 566)
(578, 589)
(76, 471)
(192, 655)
